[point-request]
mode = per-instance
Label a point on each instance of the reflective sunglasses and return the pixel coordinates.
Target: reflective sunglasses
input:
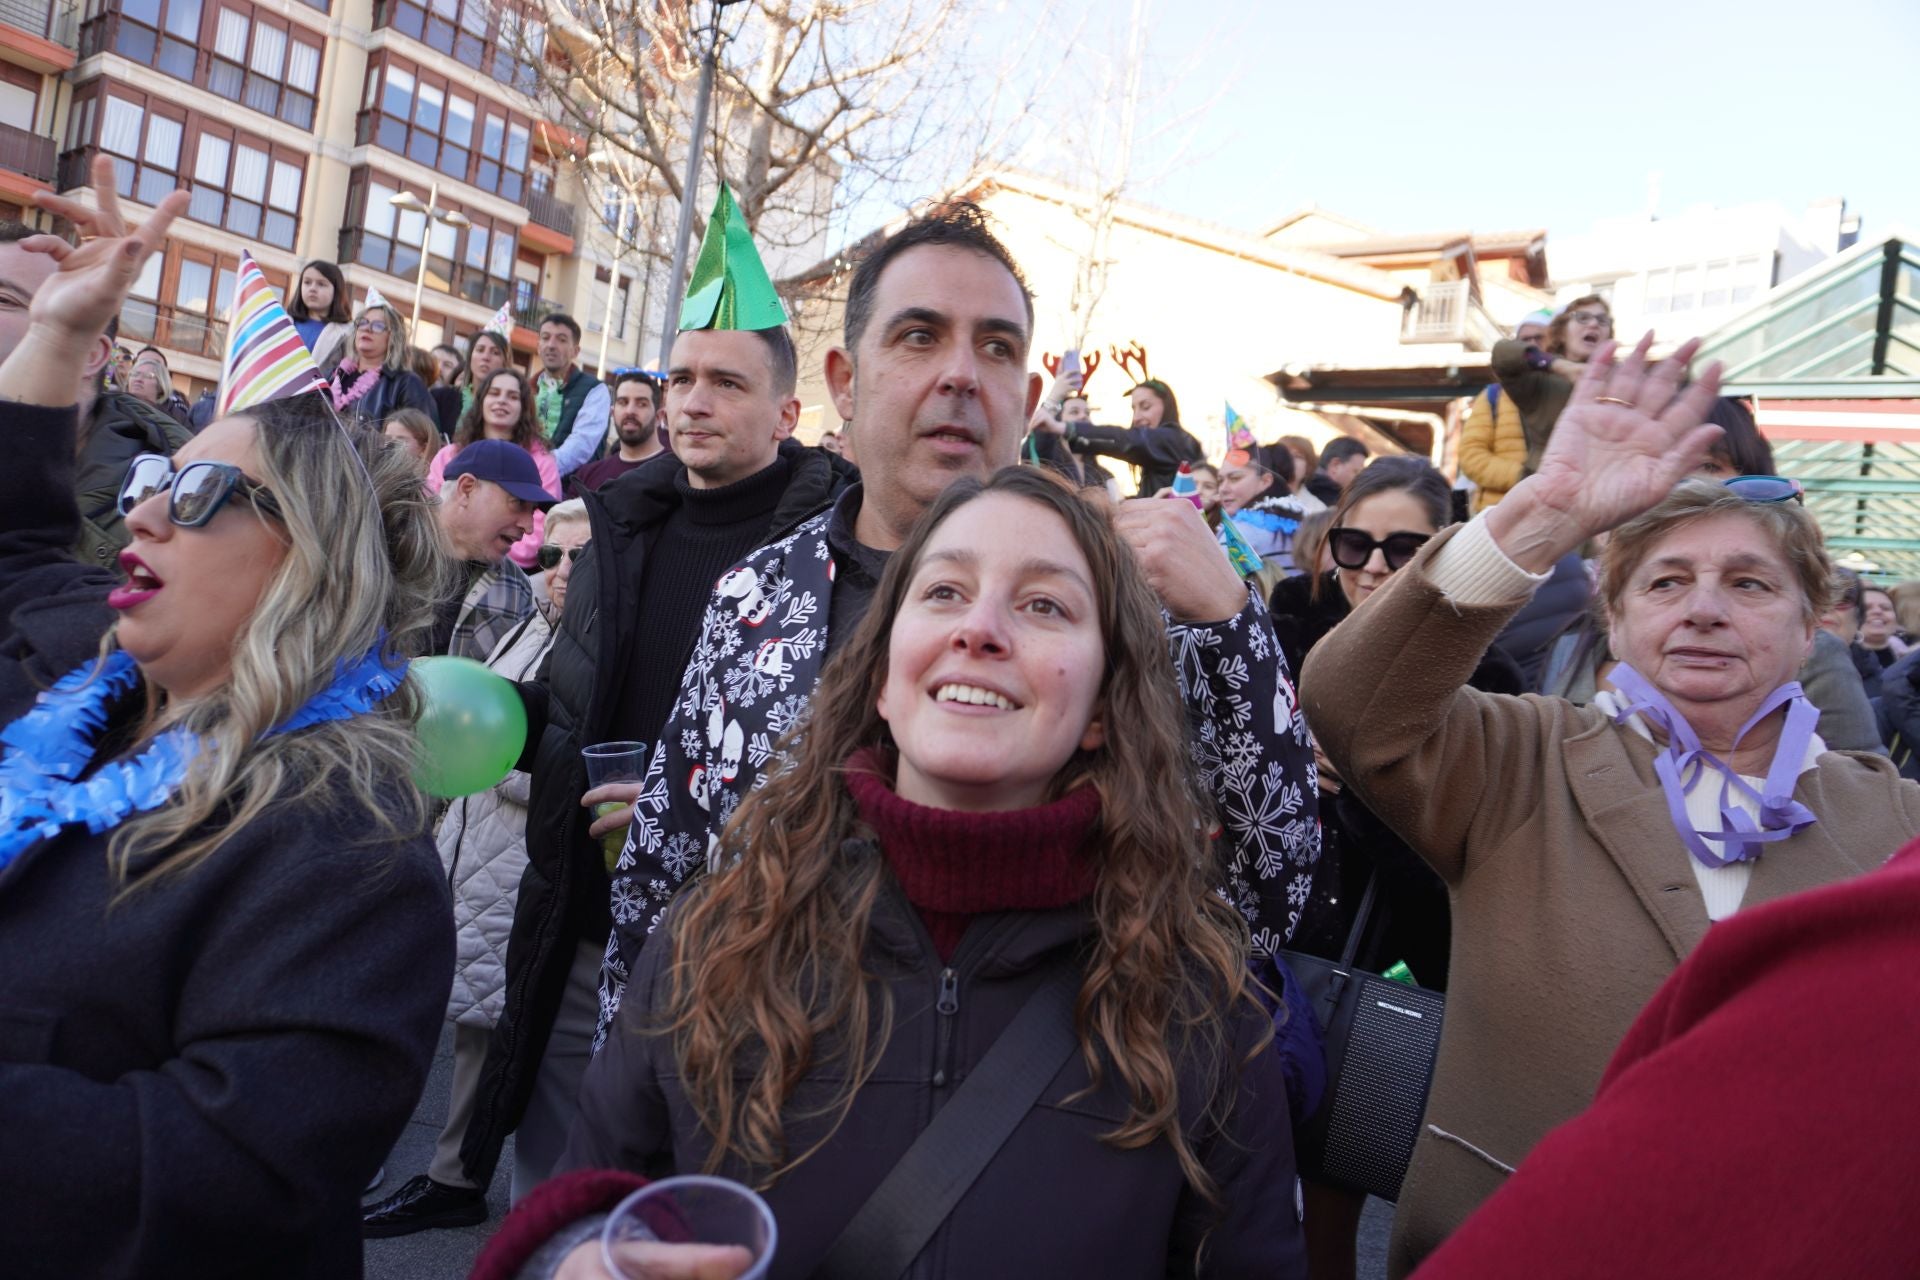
(196, 492)
(1352, 548)
(1767, 488)
(548, 556)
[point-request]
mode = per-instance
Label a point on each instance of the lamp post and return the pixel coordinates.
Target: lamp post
(451, 217)
(690, 184)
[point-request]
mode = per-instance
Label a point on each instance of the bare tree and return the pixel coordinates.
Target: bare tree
(817, 104)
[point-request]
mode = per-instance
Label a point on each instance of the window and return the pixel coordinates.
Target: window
(140, 313)
(597, 304)
(493, 38)
(241, 185)
(145, 147)
(1659, 292)
(416, 114)
(1686, 285)
(474, 262)
(256, 60)
(1715, 291)
(265, 66)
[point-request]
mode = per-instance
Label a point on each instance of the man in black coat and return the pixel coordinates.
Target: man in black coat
(662, 534)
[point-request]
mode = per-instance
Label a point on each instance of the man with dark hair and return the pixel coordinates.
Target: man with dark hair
(934, 380)
(636, 431)
(573, 406)
(662, 534)
(1341, 459)
(115, 427)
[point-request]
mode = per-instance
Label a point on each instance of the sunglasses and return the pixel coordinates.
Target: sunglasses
(377, 326)
(549, 555)
(196, 492)
(1352, 548)
(1767, 488)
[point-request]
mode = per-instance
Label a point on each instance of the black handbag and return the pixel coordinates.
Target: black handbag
(1382, 1038)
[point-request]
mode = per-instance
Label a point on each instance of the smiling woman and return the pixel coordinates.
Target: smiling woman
(940, 851)
(1587, 849)
(226, 938)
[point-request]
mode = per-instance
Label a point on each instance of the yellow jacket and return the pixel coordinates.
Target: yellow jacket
(1493, 449)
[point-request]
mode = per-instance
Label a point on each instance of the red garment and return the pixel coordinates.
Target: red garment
(955, 866)
(1759, 1120)
(555, 1203)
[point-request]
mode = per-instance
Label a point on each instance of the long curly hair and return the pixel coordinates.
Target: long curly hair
(472, 426)
(1163, 976)
(357, 566)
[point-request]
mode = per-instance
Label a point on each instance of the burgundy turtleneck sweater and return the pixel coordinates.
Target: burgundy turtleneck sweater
(955, 866)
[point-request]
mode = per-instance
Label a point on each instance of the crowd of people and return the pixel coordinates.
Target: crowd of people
(957, 775)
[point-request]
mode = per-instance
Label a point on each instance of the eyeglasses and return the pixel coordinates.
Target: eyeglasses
(196, 492)
(549, 555)
(1767, 488)
(1600, 318)
(371, 323)
(1352, 548)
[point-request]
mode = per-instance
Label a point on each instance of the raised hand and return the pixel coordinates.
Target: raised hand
(94, 277)
(1626, 437)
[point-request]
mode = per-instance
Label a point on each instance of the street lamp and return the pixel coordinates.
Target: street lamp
(690, 185)
(451, 217)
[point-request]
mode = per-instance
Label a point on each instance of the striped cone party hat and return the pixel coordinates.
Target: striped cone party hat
(266, 359)
(502, 322)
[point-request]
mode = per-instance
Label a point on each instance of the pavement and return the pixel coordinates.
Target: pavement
(433, 1255)
(449, 1254)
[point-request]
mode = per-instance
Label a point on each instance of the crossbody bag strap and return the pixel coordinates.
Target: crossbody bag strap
(918, 1193)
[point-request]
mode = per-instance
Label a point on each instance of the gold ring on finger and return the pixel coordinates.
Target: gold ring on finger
(1612, 400)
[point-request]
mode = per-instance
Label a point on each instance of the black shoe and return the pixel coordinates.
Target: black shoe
(422, 1204)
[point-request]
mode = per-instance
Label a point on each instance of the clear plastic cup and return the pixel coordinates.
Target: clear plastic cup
(640, 1238)
(613, 762)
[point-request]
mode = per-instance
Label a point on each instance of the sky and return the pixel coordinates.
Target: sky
(1411, 116)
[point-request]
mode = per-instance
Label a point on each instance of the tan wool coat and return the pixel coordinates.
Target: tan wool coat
(1572, 894)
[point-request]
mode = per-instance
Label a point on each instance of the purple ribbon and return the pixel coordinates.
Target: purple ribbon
(1683, 762)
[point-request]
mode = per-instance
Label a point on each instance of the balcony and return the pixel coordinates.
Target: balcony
(42, 34)
(551, 213)
(1446, 311)
(550, 229)
(27, 154)
(529, 309)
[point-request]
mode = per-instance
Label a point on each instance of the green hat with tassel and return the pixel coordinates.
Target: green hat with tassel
(730, 288)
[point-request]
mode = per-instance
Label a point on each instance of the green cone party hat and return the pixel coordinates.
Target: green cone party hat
(730, 288)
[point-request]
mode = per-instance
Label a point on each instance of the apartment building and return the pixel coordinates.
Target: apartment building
(295, 124)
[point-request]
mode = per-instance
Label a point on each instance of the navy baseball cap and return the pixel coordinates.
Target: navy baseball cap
(505, 464)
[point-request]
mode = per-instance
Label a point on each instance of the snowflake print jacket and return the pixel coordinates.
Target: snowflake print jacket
(761, 649)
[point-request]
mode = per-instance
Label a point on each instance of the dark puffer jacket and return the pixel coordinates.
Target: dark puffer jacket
(1055, 1201)
(120, 428)
(563, 894)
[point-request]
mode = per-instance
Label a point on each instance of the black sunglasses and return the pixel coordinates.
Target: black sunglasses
(196, 492)
(1352, 548)
(1767, 488)
(548, 556)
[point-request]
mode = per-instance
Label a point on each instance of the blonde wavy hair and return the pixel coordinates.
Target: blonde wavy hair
(399, 350)
(355, 570)
(1165, 972)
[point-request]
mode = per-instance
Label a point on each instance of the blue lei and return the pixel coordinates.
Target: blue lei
(48, 748)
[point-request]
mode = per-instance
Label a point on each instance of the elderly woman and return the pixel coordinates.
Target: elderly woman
(226, 939)
(376, 376)
(1587, 849)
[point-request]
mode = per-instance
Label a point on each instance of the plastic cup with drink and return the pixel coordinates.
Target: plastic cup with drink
(614, 762)
(690, 1226)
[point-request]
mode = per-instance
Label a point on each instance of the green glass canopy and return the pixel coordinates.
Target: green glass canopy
(1831, 361)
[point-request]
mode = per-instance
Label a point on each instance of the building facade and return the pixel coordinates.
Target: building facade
(294, 124)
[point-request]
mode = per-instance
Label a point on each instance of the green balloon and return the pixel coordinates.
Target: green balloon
(472, 728)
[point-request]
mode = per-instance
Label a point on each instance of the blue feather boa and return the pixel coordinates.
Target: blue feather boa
(48, 748)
